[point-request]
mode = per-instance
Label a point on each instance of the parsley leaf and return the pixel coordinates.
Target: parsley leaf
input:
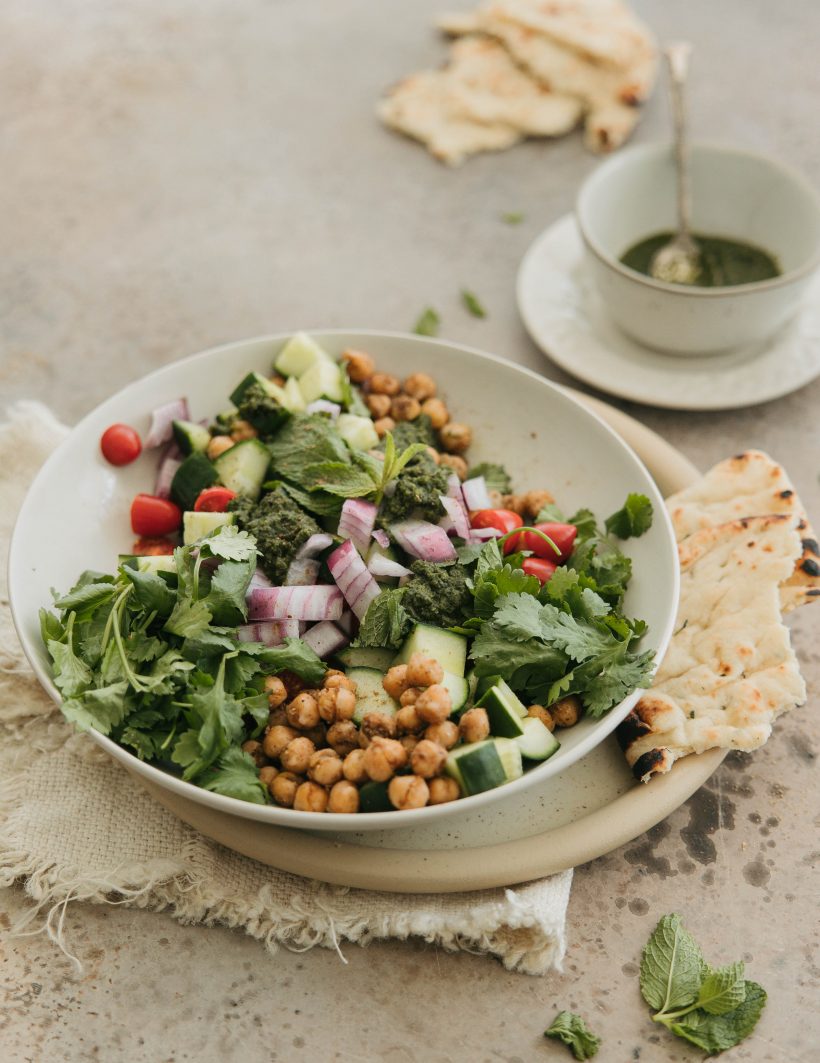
(226, 596)
(427, 323)
(71, 673)
(151, 591)
(293, 655)
(633, 519)
(188, 618)
(231, 544)
(386, 621)
(473, 304)
(85, 599)
(100, 709)
(235, 775)
(575, 1034)
(495, 476)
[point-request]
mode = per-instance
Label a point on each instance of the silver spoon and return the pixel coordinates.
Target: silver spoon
(679, 261)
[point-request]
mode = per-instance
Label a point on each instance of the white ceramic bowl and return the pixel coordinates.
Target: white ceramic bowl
(76, 514)
(735, 194)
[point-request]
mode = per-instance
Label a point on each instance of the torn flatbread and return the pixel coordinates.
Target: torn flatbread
(730, 669)
(752, 484)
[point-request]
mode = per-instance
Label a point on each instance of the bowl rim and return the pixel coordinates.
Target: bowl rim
(344, 822)
(692, 291)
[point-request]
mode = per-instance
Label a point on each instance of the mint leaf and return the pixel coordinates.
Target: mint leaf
(473, 303)
(235, 775)
(633, 519)
(340, 478)
(575, 1034)
(672, 966)
(716, 1033)
(386, 621)
(723, 989)
(188, 618)
(427, 323)
(495, 476)
(306, 439)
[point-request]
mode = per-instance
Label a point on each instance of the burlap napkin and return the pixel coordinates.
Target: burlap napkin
(74, 826)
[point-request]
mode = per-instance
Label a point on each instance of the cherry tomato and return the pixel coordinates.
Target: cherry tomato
(504, 520)
(214, 500)
(152, 547)
(154, 516)
(120, 444)
(540, 568)
(563, 535)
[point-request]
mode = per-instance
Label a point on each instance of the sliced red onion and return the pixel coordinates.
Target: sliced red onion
(295, 603)
(382, 538)
(259, 579)
(353, 579)
(270, 632)
(302, 572)
(383, 568)
(161, 430)
(324, 406)
(485, 533)
(421, 539)
(357, 521)
(476, 495)
(347, 622)
(315, 545)
(166, 471)
(325, 638)
(457, 515)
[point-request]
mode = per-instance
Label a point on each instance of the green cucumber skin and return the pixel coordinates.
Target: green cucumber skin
(373, 798)
(191, 478)
(191, 437)
(243, 468)
(248, 381)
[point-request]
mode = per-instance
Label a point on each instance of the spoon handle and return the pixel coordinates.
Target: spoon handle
(677, 58)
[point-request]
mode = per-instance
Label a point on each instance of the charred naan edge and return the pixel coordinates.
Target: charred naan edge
(730, 670)
(752, 484)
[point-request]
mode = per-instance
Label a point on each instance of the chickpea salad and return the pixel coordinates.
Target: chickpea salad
(327, 608)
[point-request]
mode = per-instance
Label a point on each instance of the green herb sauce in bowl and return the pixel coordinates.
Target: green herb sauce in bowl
(724, 262)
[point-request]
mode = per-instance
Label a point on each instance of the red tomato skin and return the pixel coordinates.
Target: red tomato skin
(504, 520)
(152, 516)
(214, 500)
(563, 535)
(149, 547)
(540, 568)
(120, 444)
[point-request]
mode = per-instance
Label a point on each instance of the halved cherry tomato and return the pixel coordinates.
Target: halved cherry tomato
(152, 547)
(120, 444)
(154, 516)
(214, 500)
(563, 535)
(540, 568)
(504, 520)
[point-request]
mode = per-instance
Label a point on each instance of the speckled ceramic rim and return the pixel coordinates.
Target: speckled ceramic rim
(378, 820)
(504, 864)
(650, 151)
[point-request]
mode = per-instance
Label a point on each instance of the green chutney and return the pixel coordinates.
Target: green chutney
(723, 262)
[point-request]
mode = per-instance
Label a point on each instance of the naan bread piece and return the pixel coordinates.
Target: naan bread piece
(752, 484)
(423, 107)
(487, 86)
(730, 669)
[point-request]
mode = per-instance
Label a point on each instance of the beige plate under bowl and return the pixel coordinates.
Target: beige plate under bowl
(593, 807)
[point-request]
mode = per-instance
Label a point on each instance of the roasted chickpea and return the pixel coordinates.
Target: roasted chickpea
(542, 714)
(344, 797)
(303, 711)
(310, 797)
(276, 740)
(339, 681)
(567, 711)
(326, 700)
(515, 503)
(275, 689)
(242, 430)
(325, 767)
(408, 720)
(434, 704)
(423, 671)
(267, 775)
(353, 766)
(384, 425)
(534, 502)
(420, 386)
(395, 681)
(455, 437)
(408, 791)
(278, 380)
(343, 736)
(378, 723)
(218, 445)
(383, 757)
(294, 684)
(296, 755)
(255, 751)
(428, 758)
(384, 384)
(445, 733)
(360, 366)
(337, 703)
(379, 405)
(442, 790)
(409, 742)
(434, 455)
(474, 725)
(409, 696)
(437, 412)
(283, 788)
(457, 464)
(405, 408)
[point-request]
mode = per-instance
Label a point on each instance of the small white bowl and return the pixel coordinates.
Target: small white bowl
(735, 194)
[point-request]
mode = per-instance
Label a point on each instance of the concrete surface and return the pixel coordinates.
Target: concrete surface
(178, 175)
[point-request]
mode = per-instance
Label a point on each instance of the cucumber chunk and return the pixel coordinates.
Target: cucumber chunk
(484, 765)
(299, 354)
(459, 692)
(155, 563)
(373, 798)
(370, 694)
(191, 437)
(504, 709)
(322, 381)
(293, 399)
(537, 742)
(243, 468)
(193, 476)
(357, 432)
(366, 657)
(197, 525)
(238, 392)
(449, 649)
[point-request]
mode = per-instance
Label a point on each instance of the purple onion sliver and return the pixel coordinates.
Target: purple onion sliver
(357, 522)
(268, 632)
(382, 538)
(161, 430)
(324, 406)
(482, 534)
(302, 572)
(476, 495)
(165, 474)
(325, 638)
(385, 568)
(315, 545)
(458, 515)
(421, 539)
(351, 575)
(296, 603)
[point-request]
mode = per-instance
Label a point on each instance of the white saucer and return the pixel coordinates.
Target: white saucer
(567, 320)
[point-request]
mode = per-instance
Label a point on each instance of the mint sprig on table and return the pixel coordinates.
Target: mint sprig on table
(714, 1008)
(575, 1034)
